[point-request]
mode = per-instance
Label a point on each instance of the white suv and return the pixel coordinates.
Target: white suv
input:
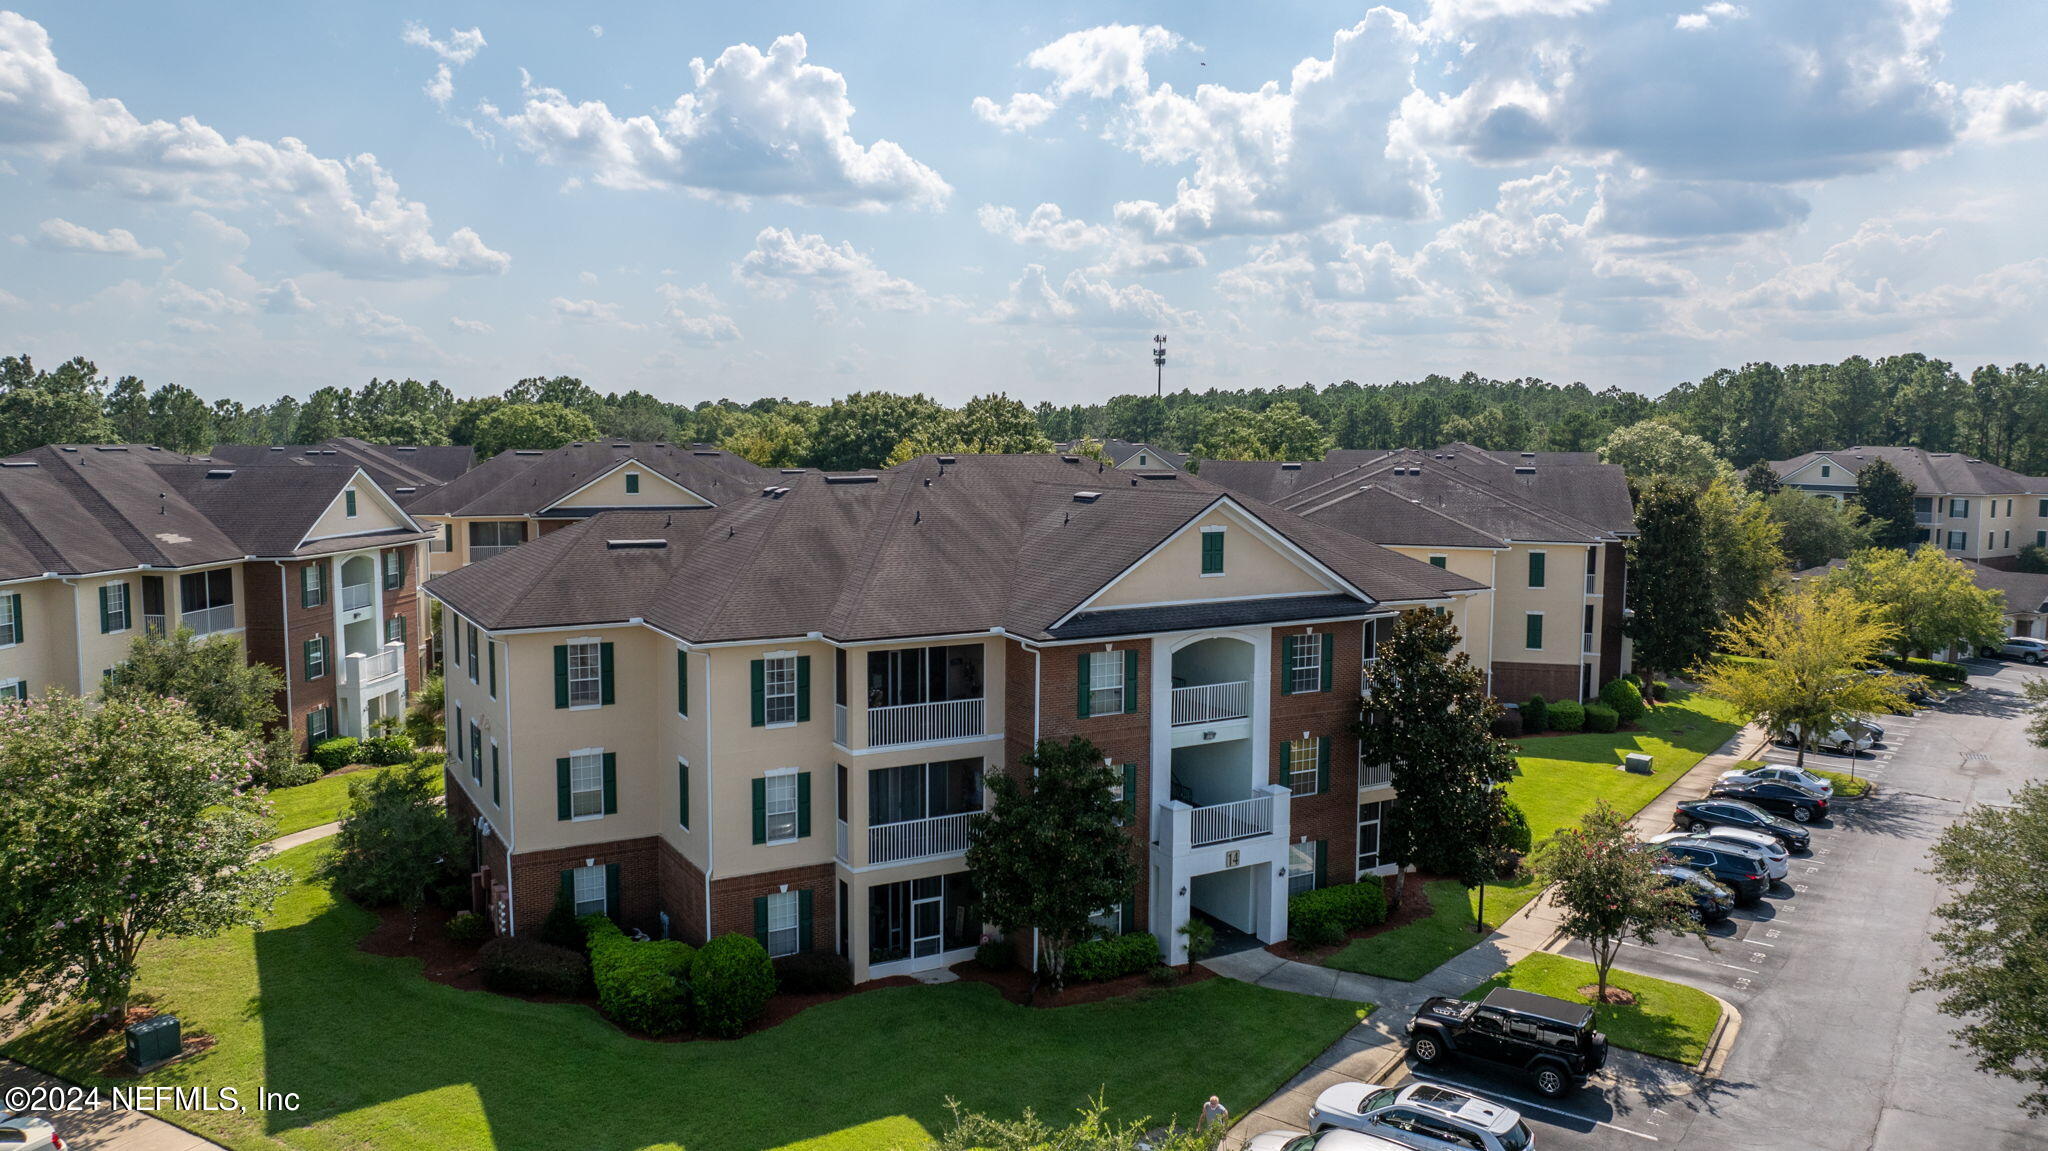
(1422, 1115)
(2026, 649)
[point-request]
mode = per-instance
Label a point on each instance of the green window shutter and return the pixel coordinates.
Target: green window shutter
(1440, 561)
(1329, 660)
(1322, 863)
(1081, 686)
(561, 675)
(756, 676)
(760, 811)
(1533, 638)
(306, 659)
(569, 886)
(1536, 562)
(611, 890)
(1127, 914)
(306, 586)
(1283, 759)
(562, 789)
(761, 919)
(105, 620)
(349, 498)
(1130, 792)
(491, 657)
(1131, 681)
(604, 672)
(803, 689)
(683, 794)
(1287, 664)
(1212, 553)
(682, 683)
(497, 796)
(803, 804)
(611, 784)
(1322, 765)
(632, 484)
(803, 919)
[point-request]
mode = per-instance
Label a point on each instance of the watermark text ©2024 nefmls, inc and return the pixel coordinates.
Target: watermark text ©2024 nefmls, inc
(65, 1097)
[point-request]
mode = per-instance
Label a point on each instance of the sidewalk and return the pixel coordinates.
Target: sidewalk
(1370, 1050)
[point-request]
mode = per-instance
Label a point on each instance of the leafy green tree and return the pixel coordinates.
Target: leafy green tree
(127, 408)
(568, 391)
(1289, 434)
(985, 425)
(2033, 559)
(231, 422)
(55, 407)
(397, 843)
(1051, 851)
(770, 439)
(1761, 479)
(1578, 431)
(1930, 598)
(179, 419)
(543, 426)
(127, 820)
(1657, 449)
(1816, 529)
(1993, 970)
(1430, 721)
(1744, 560)
(1673, 607)
(1608, 889)
(1887, 499)
(2037, 722)
(639, 418)
(404, 411)
(210, 675)
(1136, 419)
(322, 417)
(860, 430)
(1801, 662)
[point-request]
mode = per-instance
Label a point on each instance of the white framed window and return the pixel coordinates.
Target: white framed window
(1105, 682)
(779, 806)
(316, 726)
(1109, 921)
(1305, 663)
(13, 689)
(590, 898)
(1958, 507)
(1369, 817)
(1304, 764)
(1301, 868)
(778, 690)
(394, 570)
(782, 924)
(10, 620)
(586, 785)
(1957, 541)
(115, 617)
(586, 674)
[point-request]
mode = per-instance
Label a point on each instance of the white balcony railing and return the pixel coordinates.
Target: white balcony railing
(918, 838)
(1926, 518)
(1592, 583)
(923, 722)
(839, 724)
(388, 661)
(1211, 702)
(1375, 774)
(153, 623)
(208, 620)
(478, 553)
(843, 856)
(1241, 819)
(355, 596)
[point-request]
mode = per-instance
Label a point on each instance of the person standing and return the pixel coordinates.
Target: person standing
(1214, 1113)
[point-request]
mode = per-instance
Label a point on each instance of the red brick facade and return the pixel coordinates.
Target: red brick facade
(1125, 737)
(1331, 816)
(732, 900)
(1516, 682)
(537, 877)
(680, 887)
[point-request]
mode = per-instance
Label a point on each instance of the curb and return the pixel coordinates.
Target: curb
(1721, 1042)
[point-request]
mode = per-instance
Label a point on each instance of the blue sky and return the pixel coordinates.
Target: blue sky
(807, 200)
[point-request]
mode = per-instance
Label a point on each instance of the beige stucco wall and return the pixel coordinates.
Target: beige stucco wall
(97, 652)
(374, 513)
(1562, 601)
(448, 561)
(741, 753)
(1472, 613)
(48, 655)
(1251, 566)
(656, 490)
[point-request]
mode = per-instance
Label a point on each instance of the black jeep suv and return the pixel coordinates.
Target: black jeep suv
(1550, 1039)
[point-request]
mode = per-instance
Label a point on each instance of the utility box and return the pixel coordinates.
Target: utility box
(154, 1041)
(1638, 763)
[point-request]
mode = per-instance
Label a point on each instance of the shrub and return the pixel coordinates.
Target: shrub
(1660, 691)
(1097, 960)
(423, 718)
(386, 750)
(1625, 698)
(469, 927)
(560, 928)
(1313, 925)
(1634, 681)
(1519, 838)
(1566, 716)
(730, 984)
(642, 985)
(813, 973)
(1601, 718)
(1507, 725)
(278, 763)
(431, 758)
(1163, 976)
(1931, 668)
(996, 954)
(1345, 907)
(331, 754)
(1535, 716)
(1201, 939)
(523, 966)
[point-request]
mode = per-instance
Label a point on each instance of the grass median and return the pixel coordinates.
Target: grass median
(322, 801)
(1668, 1020)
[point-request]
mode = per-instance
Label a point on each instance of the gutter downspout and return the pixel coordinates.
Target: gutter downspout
(284, 605)
(710, 775)
(507, 836)
(78, 643)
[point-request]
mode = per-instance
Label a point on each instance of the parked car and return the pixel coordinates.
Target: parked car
(1728, 805)
(1328, 1139)
(29, 1133)
(1743, 870)
(1424, 1115)
(1860, 724)
(1916, 693)
(1550, 1039)
(1771, 796)
(1777, 860)
(1835, 739)
(1783, 773)
(1711, 902)
(2026, 649)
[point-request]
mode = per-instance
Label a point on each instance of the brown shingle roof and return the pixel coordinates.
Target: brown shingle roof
(524, 483)
(1930, 473)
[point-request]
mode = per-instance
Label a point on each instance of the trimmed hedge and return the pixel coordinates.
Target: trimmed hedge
(1660, 691)
(386, 750)
(1931, 668)
(1520, 839)
(730, 984)
(331, 754)
(1096, 960)
(1321, 917)
(642, 985)
(1601, 718)
(1566, 716)
(813, 973)
(524, 966)
(1625, 698)
(996, 954)
(1535, 716)
(468, 927)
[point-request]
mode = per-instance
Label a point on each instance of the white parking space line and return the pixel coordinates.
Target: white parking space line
(1526, 1105)
(1690, 958)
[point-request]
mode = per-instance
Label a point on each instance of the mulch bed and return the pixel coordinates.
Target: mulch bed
(1014, 984)
(1414, 905)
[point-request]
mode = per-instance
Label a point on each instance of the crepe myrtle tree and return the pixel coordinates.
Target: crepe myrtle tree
(126, 820)
(1607, 886)
(1052, 850)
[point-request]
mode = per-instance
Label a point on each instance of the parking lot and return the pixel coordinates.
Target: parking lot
(1834, 1051)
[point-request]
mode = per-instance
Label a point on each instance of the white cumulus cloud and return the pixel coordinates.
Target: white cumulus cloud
(458, 49)
(781, 260)
(1081, 300)
(61, 235)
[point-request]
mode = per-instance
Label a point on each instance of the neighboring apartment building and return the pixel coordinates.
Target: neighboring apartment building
(1126, 456)
(1544, 530)
(776, 716)
(315, 569)
(1969, 508)
(403, 470)
(520, 495)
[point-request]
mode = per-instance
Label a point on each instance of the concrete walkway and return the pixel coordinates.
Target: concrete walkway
(301, 838)
(1369, 1051)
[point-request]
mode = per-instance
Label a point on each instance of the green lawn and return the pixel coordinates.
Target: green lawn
(1667, 1020)
(1558, 779)
(383, 1058)
(322, 801)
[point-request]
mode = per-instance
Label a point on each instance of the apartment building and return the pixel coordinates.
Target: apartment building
(315, 569)
(1969, 508)
(403, 470)
(1545, 531)
(520, 495)
(777, 715)
(1124, 455)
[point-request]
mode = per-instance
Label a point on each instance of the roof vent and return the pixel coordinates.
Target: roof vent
(70, 449)
(1158, 475)
(707, 453)
(635, 545)
(154, 448)
(1528, 455)
(277, 449)
(111, 448)
(1086, 497)
(528, 452)
(219, 473)
(1290, 467)
(1072, 459)
(622, 445)
(793, 471)
(949, 459)
(1973, 461)
(1524, 470)
(396, 449)
(849, 480)
(19, 464)
(405, 491)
